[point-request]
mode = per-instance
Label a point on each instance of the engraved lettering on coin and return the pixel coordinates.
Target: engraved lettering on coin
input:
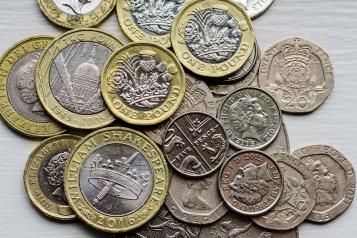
(116, 179)
(77, 7)
(255, 7)
(213, 35)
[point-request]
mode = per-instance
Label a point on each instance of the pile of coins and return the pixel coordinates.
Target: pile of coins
(221, 130)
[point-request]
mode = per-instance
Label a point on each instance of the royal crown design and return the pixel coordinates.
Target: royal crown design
(296, 52)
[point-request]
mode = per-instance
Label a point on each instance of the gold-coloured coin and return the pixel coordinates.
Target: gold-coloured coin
(43, 176)
(116, 180)
(143, 83)
(68, 78)
(212, 38)
(76, 14)
(19, 104)
(151, 22)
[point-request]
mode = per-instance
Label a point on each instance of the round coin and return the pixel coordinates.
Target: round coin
(334, 179)
(43, 176)
(195, 144)
(76, 14)
(255, 8)
(298, 73)
(250, 182)
(251, 118)
(68, 78)
(143, 83)
(117, 179)
(20, 106)
(212, 38)
(298, 197)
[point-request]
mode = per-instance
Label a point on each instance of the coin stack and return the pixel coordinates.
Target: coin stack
(183, 128)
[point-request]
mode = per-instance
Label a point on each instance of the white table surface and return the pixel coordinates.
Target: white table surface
(329, 23)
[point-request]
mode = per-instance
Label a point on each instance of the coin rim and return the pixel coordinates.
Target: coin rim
(259, 13)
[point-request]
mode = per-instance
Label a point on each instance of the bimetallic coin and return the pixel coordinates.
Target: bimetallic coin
(334, 179)
(255, 8)
(298, 73)
(20, 106)
(76, 13)
(68, 78)
(250, 182)
(143, 83)
(195, 144)
(117, 179)
(298, 197)
(212, 38)
(43, 176)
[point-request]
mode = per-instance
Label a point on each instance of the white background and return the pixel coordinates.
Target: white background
(329, 23)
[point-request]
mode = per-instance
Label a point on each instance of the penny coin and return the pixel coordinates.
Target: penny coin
(298, 73)
(334, 179)
(212, 38)
(255, 8)
(195, 144)
(148, 21)
(76, 13)
(117, 179)
(197, 97)
(68, 78)
(43, 176)
(251, 118)
(195, 201)
(143, 83)
(298, 197)
(19, 104)
(250, 182)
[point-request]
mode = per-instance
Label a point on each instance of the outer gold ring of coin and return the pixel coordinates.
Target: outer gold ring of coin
(52, 106)
(160, 174)
(198, 66)
(32, 181)
(130, 114)
(12, 117)
(57, 16)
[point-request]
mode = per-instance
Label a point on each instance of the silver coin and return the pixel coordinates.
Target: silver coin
(77, 7)
(255, 8)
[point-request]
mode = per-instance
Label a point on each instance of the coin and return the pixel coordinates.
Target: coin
(197, 97)
(251, 118)
(212, 38)
(68, 78)
(143, 83)
(43, 176)
(116, 180)
(298, 197)
(250, 182)
(19, 104)
(255, 8)
(195, 144)
(195, 201)
(76, 13)
(298, 73)
(334, 178)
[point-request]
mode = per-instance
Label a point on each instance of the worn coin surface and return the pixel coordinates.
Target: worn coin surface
(298, 197)
(43, 176)
(250, 182)
(117, 179)
(19, 104)
(195, 144)
(334, 178)
(68, 78)
(212, 38)
(251, 118)
(76, 13)
(298, 73)
(255, 8)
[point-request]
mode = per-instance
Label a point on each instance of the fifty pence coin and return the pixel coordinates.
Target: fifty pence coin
(251, 118)
(117, 179)
(334, 179)
(76, 13)
(212, 38)
(255, 8)
(68, 78)
(298, 73)
(250, 182)
(195, 144)
(43, 176)
(298, 197)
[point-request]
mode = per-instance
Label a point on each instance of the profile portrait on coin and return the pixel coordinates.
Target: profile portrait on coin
(193, 199)
(326, 184)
